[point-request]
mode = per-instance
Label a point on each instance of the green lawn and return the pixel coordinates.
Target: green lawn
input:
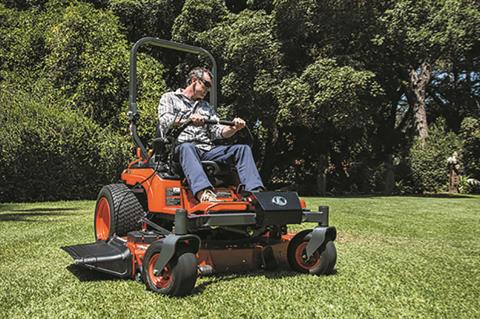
(397, 257)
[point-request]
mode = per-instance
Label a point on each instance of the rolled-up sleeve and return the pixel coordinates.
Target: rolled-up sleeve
(216, 129)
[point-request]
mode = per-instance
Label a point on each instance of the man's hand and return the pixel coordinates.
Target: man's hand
(238, 124)
(197, 119)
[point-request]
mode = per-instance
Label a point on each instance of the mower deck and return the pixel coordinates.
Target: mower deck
(120, 255)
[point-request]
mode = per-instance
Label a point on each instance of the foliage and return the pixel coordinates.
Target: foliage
(328, 93)
(88, 62)
(150, 88)
(324, 83)
(50, 152)
(23, 41)
(470, 134)
(468, 185)
(421, 28)
(147, 17)
(197, 17)
(429, 161)
(334, 107)
(251, 59)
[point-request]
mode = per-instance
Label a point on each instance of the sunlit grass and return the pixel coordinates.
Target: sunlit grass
(397, 257)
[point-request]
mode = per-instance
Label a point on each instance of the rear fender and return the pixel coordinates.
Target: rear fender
(172, 243)
(319, 236)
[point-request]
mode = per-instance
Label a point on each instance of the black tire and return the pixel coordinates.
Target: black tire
(322, 262)
(123, 208)
(178, 278)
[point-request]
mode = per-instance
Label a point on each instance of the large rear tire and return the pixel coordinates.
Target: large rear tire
(177, 278)
(117, 211)
(322, 262)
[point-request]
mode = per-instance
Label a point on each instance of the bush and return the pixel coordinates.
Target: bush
(49, 152)
(469, 185)
(470, 134)
(428, 162)
(87, 62)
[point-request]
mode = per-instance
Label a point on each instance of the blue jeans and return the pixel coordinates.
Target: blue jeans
(190, 157)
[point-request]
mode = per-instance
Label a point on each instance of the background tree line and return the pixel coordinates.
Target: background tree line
(343, 96)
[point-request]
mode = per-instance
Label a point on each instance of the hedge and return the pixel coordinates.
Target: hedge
(49, 152)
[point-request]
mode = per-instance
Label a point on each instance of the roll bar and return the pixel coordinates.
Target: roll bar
(133, 114)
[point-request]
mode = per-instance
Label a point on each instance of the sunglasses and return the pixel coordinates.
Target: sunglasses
(207, 84)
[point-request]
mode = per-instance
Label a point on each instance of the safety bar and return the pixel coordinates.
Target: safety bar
(132, 113)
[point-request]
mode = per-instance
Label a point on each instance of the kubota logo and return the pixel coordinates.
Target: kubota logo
(279, 200)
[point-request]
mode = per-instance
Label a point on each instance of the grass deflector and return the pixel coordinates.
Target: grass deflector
(151, 227)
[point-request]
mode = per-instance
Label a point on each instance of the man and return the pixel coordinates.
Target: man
(196, 141)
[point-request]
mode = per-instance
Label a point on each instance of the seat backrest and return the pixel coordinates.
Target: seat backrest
(221, 174)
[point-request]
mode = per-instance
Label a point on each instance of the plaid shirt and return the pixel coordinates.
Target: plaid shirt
(175, 106)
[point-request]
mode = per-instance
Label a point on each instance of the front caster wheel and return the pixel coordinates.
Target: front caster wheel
(177, 278)
(322, 262)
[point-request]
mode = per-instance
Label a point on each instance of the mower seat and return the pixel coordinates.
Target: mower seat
(213, 168)
(219, 174)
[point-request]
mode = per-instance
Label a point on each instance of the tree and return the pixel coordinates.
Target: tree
(420, 35)
(147, 17)
(88, 62)
(22, 34)
(334, 105)
(248, 57)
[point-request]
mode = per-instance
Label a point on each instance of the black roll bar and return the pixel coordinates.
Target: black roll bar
(133, 114)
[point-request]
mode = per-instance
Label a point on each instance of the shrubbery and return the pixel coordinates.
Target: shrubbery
(429, 161)
(321, 93)
(470, 134)
(50, 152)
(64, 90)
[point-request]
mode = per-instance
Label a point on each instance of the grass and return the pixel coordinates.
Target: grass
(413, 257)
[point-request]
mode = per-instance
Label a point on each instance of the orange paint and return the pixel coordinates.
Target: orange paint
(156, 191)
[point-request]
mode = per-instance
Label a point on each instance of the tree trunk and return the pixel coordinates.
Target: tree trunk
(270, 152)
(389, 175)
(418, 86)
(321, 175)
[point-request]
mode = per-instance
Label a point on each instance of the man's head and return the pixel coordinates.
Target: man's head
(199, 81)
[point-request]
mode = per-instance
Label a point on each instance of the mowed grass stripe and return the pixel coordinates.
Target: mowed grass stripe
(413, 257)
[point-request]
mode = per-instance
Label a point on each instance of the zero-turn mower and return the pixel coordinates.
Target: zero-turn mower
(151, 228)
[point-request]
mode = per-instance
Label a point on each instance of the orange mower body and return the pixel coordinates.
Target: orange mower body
(150, 226)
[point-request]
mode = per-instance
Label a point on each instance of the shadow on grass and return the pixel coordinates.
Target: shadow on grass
(26, 216)
(89, 275)
(85, 275)
(281, 272)
(46, 209)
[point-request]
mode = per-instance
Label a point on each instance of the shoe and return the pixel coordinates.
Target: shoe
(208, 196)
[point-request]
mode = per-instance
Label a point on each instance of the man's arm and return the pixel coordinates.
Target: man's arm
(219, 131)
(229, 131)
